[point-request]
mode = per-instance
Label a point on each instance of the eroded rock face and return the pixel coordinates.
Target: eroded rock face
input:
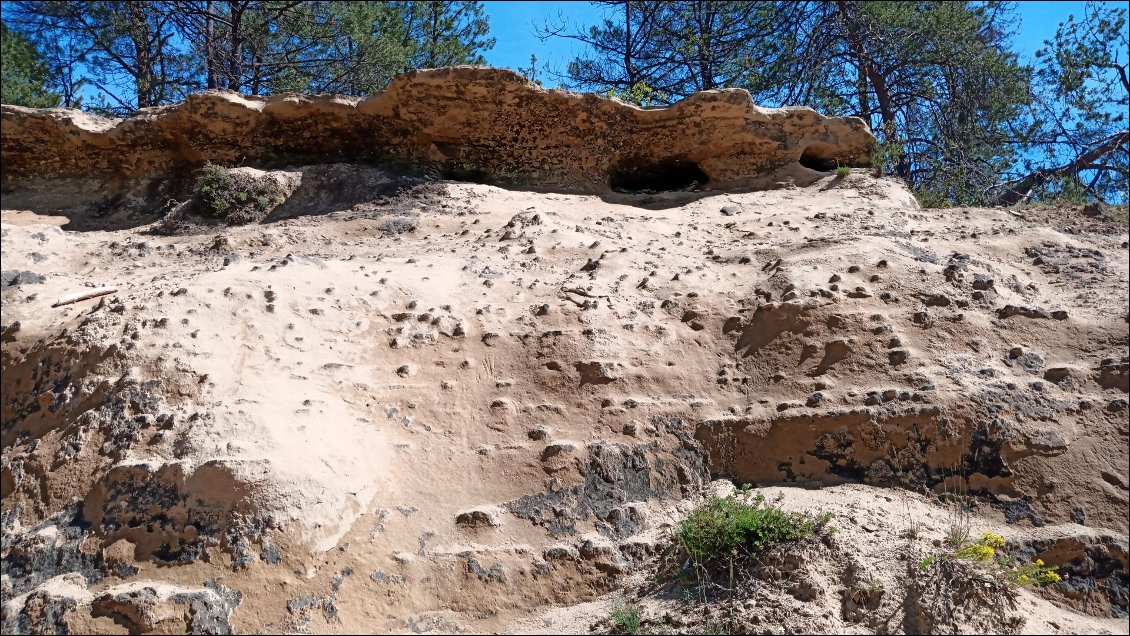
(477, 124)
(1093, 565)
(145, 607)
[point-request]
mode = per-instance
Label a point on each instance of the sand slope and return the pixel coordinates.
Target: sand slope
(324, 424)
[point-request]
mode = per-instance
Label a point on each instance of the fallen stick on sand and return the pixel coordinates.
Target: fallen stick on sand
(86, 294)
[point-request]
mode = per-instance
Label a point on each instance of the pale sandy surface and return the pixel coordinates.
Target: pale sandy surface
(354, 392)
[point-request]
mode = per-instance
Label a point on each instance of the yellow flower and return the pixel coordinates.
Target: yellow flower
(992, 540)
(978, 552)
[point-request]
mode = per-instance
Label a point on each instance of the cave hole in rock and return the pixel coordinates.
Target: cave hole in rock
(817, 158)
(673, 173)
(469, 175)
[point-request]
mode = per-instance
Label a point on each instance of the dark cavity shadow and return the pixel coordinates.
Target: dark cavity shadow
(636, 174)
(818, 157)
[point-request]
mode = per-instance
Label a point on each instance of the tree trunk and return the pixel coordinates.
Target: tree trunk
(210, 45)
(433, 60)
(877, 80)
(629, 69)
(1022, 188)
(139, 37)
(864, 98)
(235, 54)
(705, 43)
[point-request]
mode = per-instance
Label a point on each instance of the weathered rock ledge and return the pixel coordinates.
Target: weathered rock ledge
(479, 124)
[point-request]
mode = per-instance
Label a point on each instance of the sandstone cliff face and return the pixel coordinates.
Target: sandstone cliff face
(477, 124)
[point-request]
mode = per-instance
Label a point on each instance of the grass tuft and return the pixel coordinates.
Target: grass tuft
(626, 617)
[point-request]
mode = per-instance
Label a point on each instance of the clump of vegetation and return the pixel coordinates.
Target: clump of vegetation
(236, 198)
(843, 171)
(1033, 573)
(728, 527)
(400, 224)
(866, 592)
(639, 94)
(626, 617)
(989, 549)
(728, 542)
(1118, 214)
(217, 189)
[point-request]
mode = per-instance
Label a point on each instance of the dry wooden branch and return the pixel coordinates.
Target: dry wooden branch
(85, 294)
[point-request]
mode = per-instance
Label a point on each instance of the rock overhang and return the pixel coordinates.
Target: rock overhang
(469, 123)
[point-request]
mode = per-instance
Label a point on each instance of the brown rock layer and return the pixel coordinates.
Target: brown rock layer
(478, 124)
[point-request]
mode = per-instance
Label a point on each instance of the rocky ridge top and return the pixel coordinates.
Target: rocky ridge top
(470, 123)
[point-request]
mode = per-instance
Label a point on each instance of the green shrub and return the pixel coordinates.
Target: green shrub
(843, 171)
(217, 189)
(727, 527)
(235, 197)
(626, 617)
(639, 94)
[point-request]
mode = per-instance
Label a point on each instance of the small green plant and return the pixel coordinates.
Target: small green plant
(531, 72)
(888, 151)
(866, 592)
(1033, 573)
(914, 527)
(913, 530)
(725, 536)
(870, 586)
(983, 549)
(639, 94)
(724, 527)
(626, 617)
(987, 549)
(1117, 214)
(843, 171)
(959, 519)
(957, 536)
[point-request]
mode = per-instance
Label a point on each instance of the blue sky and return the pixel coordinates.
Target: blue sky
(512, 24)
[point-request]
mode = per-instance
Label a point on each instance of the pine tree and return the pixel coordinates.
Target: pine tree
(1077, 130)
(23, 74)
(445, 33)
